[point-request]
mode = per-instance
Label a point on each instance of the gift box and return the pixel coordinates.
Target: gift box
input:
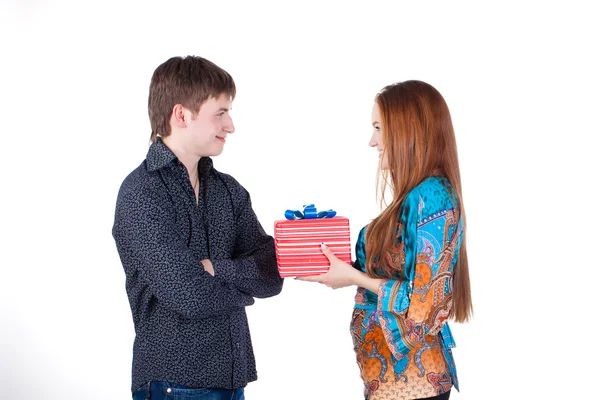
(298, 243)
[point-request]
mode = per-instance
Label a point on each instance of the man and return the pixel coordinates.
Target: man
(193, 251)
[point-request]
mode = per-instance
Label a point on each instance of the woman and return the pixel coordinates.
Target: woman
(417, 275)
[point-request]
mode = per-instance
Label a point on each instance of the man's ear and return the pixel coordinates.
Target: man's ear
(178, 116)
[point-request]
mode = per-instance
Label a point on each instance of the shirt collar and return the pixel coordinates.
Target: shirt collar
(159, 156)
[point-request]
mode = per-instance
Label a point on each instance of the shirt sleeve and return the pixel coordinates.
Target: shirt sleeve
(150, 246)
(419, 304)
(253, 267)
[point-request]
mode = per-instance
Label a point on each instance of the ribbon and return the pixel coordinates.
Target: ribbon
(310, 212)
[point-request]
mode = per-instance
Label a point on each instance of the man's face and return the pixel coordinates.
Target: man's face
(208, 130)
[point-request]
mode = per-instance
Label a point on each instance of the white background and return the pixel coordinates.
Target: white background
(520, 78)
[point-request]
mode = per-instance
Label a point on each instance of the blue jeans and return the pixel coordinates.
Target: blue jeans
(169, 391)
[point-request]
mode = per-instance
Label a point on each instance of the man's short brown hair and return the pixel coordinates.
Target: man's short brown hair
(188, 81)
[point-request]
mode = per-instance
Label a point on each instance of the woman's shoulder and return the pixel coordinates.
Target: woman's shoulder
(433, 195)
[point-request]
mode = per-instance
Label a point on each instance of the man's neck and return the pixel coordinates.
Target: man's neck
(188, 159)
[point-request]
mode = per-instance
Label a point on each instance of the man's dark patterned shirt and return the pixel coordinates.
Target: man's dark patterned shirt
(191, 328)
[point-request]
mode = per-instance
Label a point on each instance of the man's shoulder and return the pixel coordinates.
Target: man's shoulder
(140, 183)
(233, 186)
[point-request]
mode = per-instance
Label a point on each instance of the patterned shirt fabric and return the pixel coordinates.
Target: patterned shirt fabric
(401, 336)
(191, 328)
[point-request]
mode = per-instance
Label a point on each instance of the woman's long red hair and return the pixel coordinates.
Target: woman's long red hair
(419, 142)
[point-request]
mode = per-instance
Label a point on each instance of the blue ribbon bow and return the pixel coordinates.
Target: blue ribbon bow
(310, 212)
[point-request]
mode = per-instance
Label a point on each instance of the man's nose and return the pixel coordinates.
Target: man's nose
(228, 125)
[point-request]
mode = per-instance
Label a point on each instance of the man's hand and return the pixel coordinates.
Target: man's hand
(208, 267)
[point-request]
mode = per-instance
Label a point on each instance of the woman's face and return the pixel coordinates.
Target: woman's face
(376, 138)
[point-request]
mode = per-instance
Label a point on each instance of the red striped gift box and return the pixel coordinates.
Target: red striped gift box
(298, 244)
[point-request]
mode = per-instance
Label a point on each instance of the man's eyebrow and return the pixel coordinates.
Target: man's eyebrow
(224, 109)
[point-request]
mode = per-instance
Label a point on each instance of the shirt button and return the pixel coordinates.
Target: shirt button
(168, 390)
(238, 345)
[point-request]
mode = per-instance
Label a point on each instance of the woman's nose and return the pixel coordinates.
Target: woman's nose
(373, 141)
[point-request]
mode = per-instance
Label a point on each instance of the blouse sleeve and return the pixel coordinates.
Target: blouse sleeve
(419, 303)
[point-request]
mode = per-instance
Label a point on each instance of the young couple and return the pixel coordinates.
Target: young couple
(195, 255)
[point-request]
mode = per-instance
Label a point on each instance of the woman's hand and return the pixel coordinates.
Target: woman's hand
(339, 275)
